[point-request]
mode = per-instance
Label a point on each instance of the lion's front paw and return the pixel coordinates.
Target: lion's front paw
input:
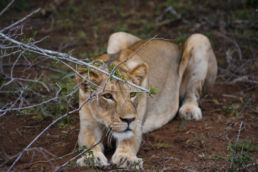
(190, 112)
(97, 159)
(123, 160)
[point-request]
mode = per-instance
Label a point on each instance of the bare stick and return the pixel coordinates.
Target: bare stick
(233, 41)
(62, 56)
(43, 131)
(135, 52)
(248, 165)
(21, 20)
(6, 8)
(38, 149)
(172, 11)
(83, 152)
(237, 139)
(35, 66)
(31, 106)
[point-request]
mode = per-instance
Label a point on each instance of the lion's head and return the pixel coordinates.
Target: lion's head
(114, 103)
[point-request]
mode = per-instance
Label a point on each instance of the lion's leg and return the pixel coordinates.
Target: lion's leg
(89, 135)
(201, 69)
(126, 151)
(119, 41)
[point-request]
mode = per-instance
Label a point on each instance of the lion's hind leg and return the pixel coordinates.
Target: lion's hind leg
(200, 70)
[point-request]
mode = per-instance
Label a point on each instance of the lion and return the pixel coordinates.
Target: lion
(180, 73)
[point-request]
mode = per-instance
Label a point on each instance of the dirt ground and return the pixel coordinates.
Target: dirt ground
(83, 28)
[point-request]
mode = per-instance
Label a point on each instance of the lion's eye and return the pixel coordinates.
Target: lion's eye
(108, 96)
(132, 94)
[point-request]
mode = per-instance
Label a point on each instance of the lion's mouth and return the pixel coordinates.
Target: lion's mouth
(128, 129)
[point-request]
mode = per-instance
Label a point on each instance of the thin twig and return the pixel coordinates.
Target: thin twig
(20, 21)
(248, 165)
(43, 131)
(131, 55)
(6, 8)
(83, 152)
(32, 106)
(36, 66)
(233, 41)
(62, 56)
(170, 9)
(237, 140)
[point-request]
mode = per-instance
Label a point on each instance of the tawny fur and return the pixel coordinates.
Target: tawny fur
(179, 74)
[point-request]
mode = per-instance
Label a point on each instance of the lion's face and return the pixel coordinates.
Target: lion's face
(116, 109)
(116, 105)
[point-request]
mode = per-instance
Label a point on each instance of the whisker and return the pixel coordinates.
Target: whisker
(109, 140)
(107, 131)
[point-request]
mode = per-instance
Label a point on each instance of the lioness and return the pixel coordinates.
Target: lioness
(180, 74)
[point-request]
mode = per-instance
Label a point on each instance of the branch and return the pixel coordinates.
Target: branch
(160, 20)
(21, 20)
(83, 152)
(6, 8)
(135, 52)
(62, 56)
(43, 131)
(237, 139)
(232, 41)
(35, 66)
(31, 106)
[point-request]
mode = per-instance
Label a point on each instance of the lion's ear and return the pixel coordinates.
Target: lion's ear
(139, 73)
(87, 77)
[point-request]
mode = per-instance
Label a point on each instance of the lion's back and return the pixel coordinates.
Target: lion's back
(163, 59)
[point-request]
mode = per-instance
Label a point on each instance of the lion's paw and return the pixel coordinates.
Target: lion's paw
(123, 160)
(190, 112)
(96, 159)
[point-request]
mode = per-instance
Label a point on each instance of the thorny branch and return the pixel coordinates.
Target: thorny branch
(62, 56)
(31, 47)
(10, 47)
(35, 105)
(124, 61)
(75, 157)
(43, 131)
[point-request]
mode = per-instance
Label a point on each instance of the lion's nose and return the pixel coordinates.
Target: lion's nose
(127, 120)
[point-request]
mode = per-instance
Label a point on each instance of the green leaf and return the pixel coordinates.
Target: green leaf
(69, 75)
(153, 90)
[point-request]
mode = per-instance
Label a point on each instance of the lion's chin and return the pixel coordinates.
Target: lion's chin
(123, 135)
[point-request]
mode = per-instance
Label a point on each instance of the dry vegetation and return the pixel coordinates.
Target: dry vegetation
(39, 98)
